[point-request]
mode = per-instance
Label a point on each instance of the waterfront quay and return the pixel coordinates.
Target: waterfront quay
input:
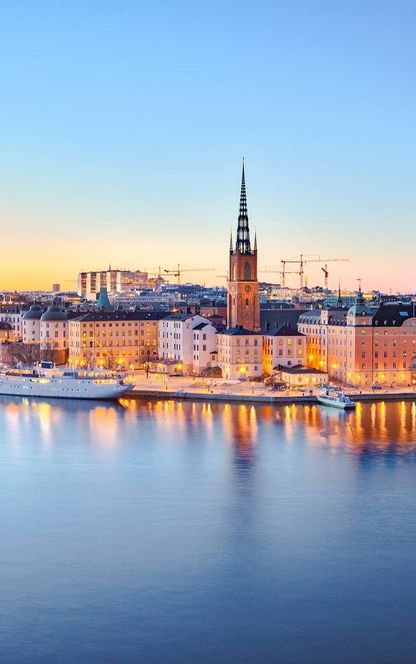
(194, 388)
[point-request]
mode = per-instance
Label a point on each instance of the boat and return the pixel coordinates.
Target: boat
(336, 398)
(45, 380)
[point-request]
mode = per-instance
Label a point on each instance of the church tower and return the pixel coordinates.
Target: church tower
(243, 304)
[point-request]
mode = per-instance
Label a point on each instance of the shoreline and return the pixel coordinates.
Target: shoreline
(228, 397)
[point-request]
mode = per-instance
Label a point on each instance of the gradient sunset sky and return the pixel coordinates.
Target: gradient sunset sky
(123, 127)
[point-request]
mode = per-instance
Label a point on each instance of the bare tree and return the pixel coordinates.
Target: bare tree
(26, 354)
(47, 352)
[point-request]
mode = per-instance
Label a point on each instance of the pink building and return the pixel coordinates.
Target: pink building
(364, 345)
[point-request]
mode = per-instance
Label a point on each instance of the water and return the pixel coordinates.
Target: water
(181, 532)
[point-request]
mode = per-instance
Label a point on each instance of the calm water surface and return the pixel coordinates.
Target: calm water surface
(181, 532)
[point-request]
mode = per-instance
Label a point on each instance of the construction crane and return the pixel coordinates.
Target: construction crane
(282, 273)
(179, 271)
(303, 260)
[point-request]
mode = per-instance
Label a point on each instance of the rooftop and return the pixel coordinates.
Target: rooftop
(301, 369)
(97, 316)
(179, 317)
(283, 331)
(238, 331)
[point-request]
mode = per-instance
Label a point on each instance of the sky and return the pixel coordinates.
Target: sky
(123, 126)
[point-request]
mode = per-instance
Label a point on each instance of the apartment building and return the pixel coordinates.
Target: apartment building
(240, 353)
(283, 346)
(89, 284)
(363, 345)
(180, 343)
(114, 339)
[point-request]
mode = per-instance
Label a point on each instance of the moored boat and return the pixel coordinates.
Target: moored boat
(47, 381)
(336, 398)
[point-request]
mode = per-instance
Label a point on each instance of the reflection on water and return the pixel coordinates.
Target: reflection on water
(162, 531)
(375, 427)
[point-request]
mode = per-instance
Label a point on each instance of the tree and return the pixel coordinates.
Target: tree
(26, 354)
(110, 361)
(47, 352)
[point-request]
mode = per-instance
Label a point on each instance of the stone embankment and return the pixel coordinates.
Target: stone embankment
(259, 396)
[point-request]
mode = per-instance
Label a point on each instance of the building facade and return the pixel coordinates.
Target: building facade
(301, 377)
(12, 315)
(6, 332)
(89, 284)
(177, 343)
(363, 346)
(54, 334)
(113, 339)
(31, 324)
(240, 353)
(283, 347)
(243, 301)
(203, 347)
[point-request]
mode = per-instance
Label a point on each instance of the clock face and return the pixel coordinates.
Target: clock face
(248, 289)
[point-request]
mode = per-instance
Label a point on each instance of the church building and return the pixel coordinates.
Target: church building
(243, 304)
(240, 346)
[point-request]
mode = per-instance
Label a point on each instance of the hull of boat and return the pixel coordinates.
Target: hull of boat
(62, 389)
(336, 404)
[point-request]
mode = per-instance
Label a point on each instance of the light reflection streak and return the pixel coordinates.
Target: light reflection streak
(103, 421)
(379, 427)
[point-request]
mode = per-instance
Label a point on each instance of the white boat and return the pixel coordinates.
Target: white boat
(47, 381)
(337, 399)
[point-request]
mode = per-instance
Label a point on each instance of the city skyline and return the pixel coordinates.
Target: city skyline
(124, 133)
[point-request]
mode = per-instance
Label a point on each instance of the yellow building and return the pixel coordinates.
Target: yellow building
(117, 339)
(6, 332)
(303, 377)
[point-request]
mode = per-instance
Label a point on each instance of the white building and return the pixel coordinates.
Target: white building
(240, 353)
(283, 346)
(204, 344)
(54, 329)
(31, 324)
(177, 344)
(89, 284)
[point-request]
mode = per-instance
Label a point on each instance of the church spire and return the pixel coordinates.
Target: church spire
(339, 303)
(360, 297)
(243, 233)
